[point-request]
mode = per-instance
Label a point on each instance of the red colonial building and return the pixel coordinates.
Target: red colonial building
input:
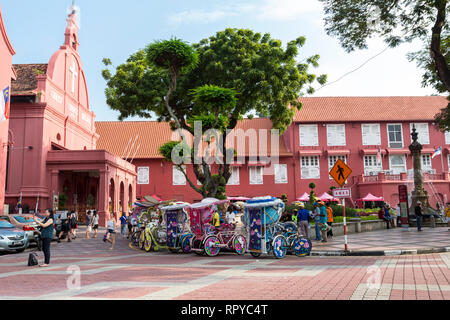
(353, 129)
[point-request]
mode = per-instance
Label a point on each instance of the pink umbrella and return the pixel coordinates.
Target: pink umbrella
(304, 197)
(371, 197)
(327, 197)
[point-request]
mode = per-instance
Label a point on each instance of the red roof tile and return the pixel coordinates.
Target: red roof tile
(347, 109)
(26, 81)
(115, 136)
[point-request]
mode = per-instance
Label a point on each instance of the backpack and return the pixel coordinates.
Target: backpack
(32, 260)
(73, 221)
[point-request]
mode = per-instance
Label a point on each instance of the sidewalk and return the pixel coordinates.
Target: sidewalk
(396, 241)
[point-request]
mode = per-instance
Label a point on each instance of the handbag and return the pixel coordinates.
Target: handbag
(32, 260)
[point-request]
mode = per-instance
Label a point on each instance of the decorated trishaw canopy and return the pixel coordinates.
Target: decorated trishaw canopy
(238, 198)
(207, 202)
(263, 202)
(175, 206)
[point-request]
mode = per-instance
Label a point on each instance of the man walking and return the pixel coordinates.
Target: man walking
(323, 221)
(419, 215)
(302, 220)
(316, 216)
(329, 219)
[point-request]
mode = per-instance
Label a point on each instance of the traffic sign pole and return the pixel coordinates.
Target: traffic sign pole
(345, 225)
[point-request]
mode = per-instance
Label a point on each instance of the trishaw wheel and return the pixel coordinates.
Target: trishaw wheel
(279, 247)
(186, 244)
(255, 254)
(240, 244)
(302, 247)
(211, 248)
(148, 244)
(141, 240)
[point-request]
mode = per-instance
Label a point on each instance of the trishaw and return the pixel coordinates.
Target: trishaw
(177, 233)
(265, 233)
(209, 239)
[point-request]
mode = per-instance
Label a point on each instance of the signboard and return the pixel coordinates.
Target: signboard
(403, 200)
(143, 175)
(340, 172)
(342, 193)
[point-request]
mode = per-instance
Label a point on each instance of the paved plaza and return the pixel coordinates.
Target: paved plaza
(390, 242)
(87, 269)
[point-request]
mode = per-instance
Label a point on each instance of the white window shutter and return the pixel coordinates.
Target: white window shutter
(178, 177)
(309, 136)
(280, 173)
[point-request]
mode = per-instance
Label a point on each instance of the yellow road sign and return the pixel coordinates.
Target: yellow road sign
(340, 172)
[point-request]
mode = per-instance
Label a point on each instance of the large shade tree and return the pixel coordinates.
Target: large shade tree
(217, 81)
(398, 21)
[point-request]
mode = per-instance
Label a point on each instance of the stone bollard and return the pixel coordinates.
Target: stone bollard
(432, 221)
(358, 227)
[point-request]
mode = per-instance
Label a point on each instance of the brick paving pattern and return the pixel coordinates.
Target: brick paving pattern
(128, 273)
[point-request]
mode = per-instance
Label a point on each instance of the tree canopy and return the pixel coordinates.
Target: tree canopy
(398, 21)
(217, 81)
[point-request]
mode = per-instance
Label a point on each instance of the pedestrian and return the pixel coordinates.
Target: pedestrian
(74, 224)
(323, 221)
(130, 223)
(330, 219)
(123, 224)
(65, 226)
(399, 215)
(95, 223)
(111, 233)
(303, 216)
(316, 216)
(46, 234)
(419, 215)
(88, 224)
(388, 215)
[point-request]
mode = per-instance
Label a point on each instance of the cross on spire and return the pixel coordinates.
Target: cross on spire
(74, 75)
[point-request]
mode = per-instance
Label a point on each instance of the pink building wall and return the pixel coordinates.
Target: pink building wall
(6, 73)
(61, 117)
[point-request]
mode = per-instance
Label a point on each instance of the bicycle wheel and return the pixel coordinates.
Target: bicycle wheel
(240, 244)
(211, 246)
(279, 247)
(302, 247)
(148, 244)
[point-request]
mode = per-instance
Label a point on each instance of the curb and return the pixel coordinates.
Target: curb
(399, 252)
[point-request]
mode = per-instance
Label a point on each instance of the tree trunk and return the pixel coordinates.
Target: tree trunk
(442, 68)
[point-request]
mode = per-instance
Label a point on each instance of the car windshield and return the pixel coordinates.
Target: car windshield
(23, 219)
(5, 224)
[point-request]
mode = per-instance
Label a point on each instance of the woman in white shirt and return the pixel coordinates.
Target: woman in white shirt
(111, 226)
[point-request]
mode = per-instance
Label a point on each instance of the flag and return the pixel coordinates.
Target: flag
(437, 152)
(2, 107)
(5, 94)
(379, 155)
